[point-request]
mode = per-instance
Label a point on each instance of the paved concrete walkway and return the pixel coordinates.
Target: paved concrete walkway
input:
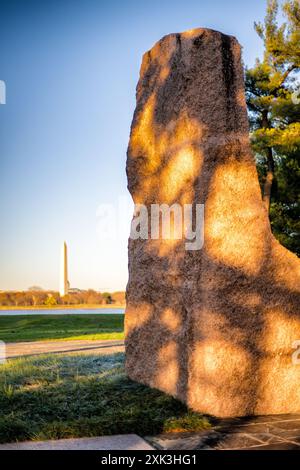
(281, 432)
(34, 348)
(121, 442)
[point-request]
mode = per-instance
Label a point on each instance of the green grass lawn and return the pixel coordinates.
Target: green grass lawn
(53, 397)
(63, 327)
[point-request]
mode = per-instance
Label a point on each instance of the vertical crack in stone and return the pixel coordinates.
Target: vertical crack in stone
(229, 79)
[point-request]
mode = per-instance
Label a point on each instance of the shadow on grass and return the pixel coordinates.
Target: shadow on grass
(57, 397)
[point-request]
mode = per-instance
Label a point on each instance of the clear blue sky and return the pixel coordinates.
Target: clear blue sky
(71, 68)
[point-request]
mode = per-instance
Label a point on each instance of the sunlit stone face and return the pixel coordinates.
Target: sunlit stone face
(215, 327)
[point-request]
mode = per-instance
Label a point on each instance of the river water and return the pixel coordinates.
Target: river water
(63, 311)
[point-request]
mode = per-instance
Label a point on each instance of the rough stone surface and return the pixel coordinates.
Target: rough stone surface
(214, 327)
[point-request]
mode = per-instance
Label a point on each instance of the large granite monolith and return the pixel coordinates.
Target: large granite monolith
(216, 327)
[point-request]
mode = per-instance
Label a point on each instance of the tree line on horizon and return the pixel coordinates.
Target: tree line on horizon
(39, 297)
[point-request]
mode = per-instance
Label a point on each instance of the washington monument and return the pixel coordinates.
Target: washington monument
(63, 281)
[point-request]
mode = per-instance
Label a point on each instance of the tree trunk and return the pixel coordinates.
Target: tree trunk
(267, 189)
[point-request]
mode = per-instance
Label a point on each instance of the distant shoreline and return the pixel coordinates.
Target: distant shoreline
(60, 307)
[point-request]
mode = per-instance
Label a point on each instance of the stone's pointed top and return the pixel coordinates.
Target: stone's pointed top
(191, 34)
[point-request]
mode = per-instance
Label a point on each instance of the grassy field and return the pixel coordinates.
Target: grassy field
(54, 397)
(61, 327)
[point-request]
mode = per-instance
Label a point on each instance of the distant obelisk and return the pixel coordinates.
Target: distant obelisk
(64, 283)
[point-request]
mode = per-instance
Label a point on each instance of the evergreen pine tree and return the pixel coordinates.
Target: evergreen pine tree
(272, 93)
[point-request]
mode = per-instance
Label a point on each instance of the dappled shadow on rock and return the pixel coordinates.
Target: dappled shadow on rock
(213, 327)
